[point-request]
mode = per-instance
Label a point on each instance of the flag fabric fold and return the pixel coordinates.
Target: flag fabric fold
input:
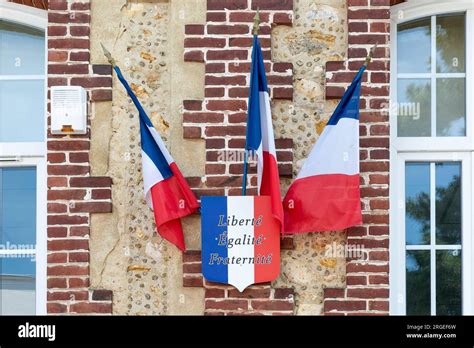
(166, 191)
(260, 138)
(326, 194)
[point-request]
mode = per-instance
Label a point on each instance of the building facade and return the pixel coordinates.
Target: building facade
(77, 202)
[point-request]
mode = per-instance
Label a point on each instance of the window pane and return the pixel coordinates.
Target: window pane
(418, 282)
(414, 46)
(451, 107)
(450, 43)
(417, 203)
(414, 108)
(17, 285)
(22, 111)
(18, 207)
(448, 203)
(448, 282)
(22, 50)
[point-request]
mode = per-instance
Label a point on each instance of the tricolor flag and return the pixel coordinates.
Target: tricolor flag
(166, 191)
(326, 194)
(260, 137)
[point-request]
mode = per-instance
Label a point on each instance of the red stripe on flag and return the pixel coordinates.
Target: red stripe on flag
(172, 199)
(270, 185)
(264, 247)
(323, 203)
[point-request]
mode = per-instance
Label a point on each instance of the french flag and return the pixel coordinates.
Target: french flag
(326, 194)
(239, 254)
(166, 191)
(260, 138)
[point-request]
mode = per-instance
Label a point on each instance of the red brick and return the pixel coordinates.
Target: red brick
(79, 257)
(368, 293)
(78, 282)
(369, 14)
(79, 30)
(227, 304)
(68, 145)
(67, 295)
(192, 133)
(91, 181)
(379, 305)
(225, 131)
(193, 105)
(56, 157)
(102, 295)
(57, 258)
(226, 80)
(76, 17)
(213, 68)
(356, 280)
(210, 92)
(214, 293)
(57, 283)
(346, 305)
(204, 42)
(57, 208)
(67, 170)
(91, 207)
(282, 5)
(216, 17)
(67, 220)
(57, 30)
(362, 267)
(272, 305)
(80, 6)
(282, 19)
(101, 194)
(82, 56)
(79, 157)
(227, 55)
(54, 308)
(194, 29)
(192, 268)
(59, 5)
(57, 232)
(382, 204)
(249, 293)
(192, 281)
(68, 244)
(231, 105)
(68, 270)
(85, 307)
(79, 231)
(92, 82)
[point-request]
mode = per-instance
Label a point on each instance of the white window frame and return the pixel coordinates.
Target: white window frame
(430, 149)
(32, 154)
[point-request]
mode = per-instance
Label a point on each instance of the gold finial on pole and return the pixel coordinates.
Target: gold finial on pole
(256, 22)
(108, 55)
(370, 56)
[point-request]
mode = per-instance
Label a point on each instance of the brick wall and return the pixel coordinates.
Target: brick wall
(220, 299)
(367, 288)
(223, 44)
(72, 193)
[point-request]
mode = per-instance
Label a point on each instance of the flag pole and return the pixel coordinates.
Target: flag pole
(256, 28)
(369, 57)
(109, 56)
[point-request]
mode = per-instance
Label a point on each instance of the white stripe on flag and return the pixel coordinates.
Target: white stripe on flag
(241, 275)
(336, 151)
(268, 139)
(151, 176)
(161, 145)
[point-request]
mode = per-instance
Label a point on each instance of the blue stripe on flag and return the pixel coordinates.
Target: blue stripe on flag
(348, 107)
(258, 83)
(149, 145)
(211, 210)
(151, 148)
